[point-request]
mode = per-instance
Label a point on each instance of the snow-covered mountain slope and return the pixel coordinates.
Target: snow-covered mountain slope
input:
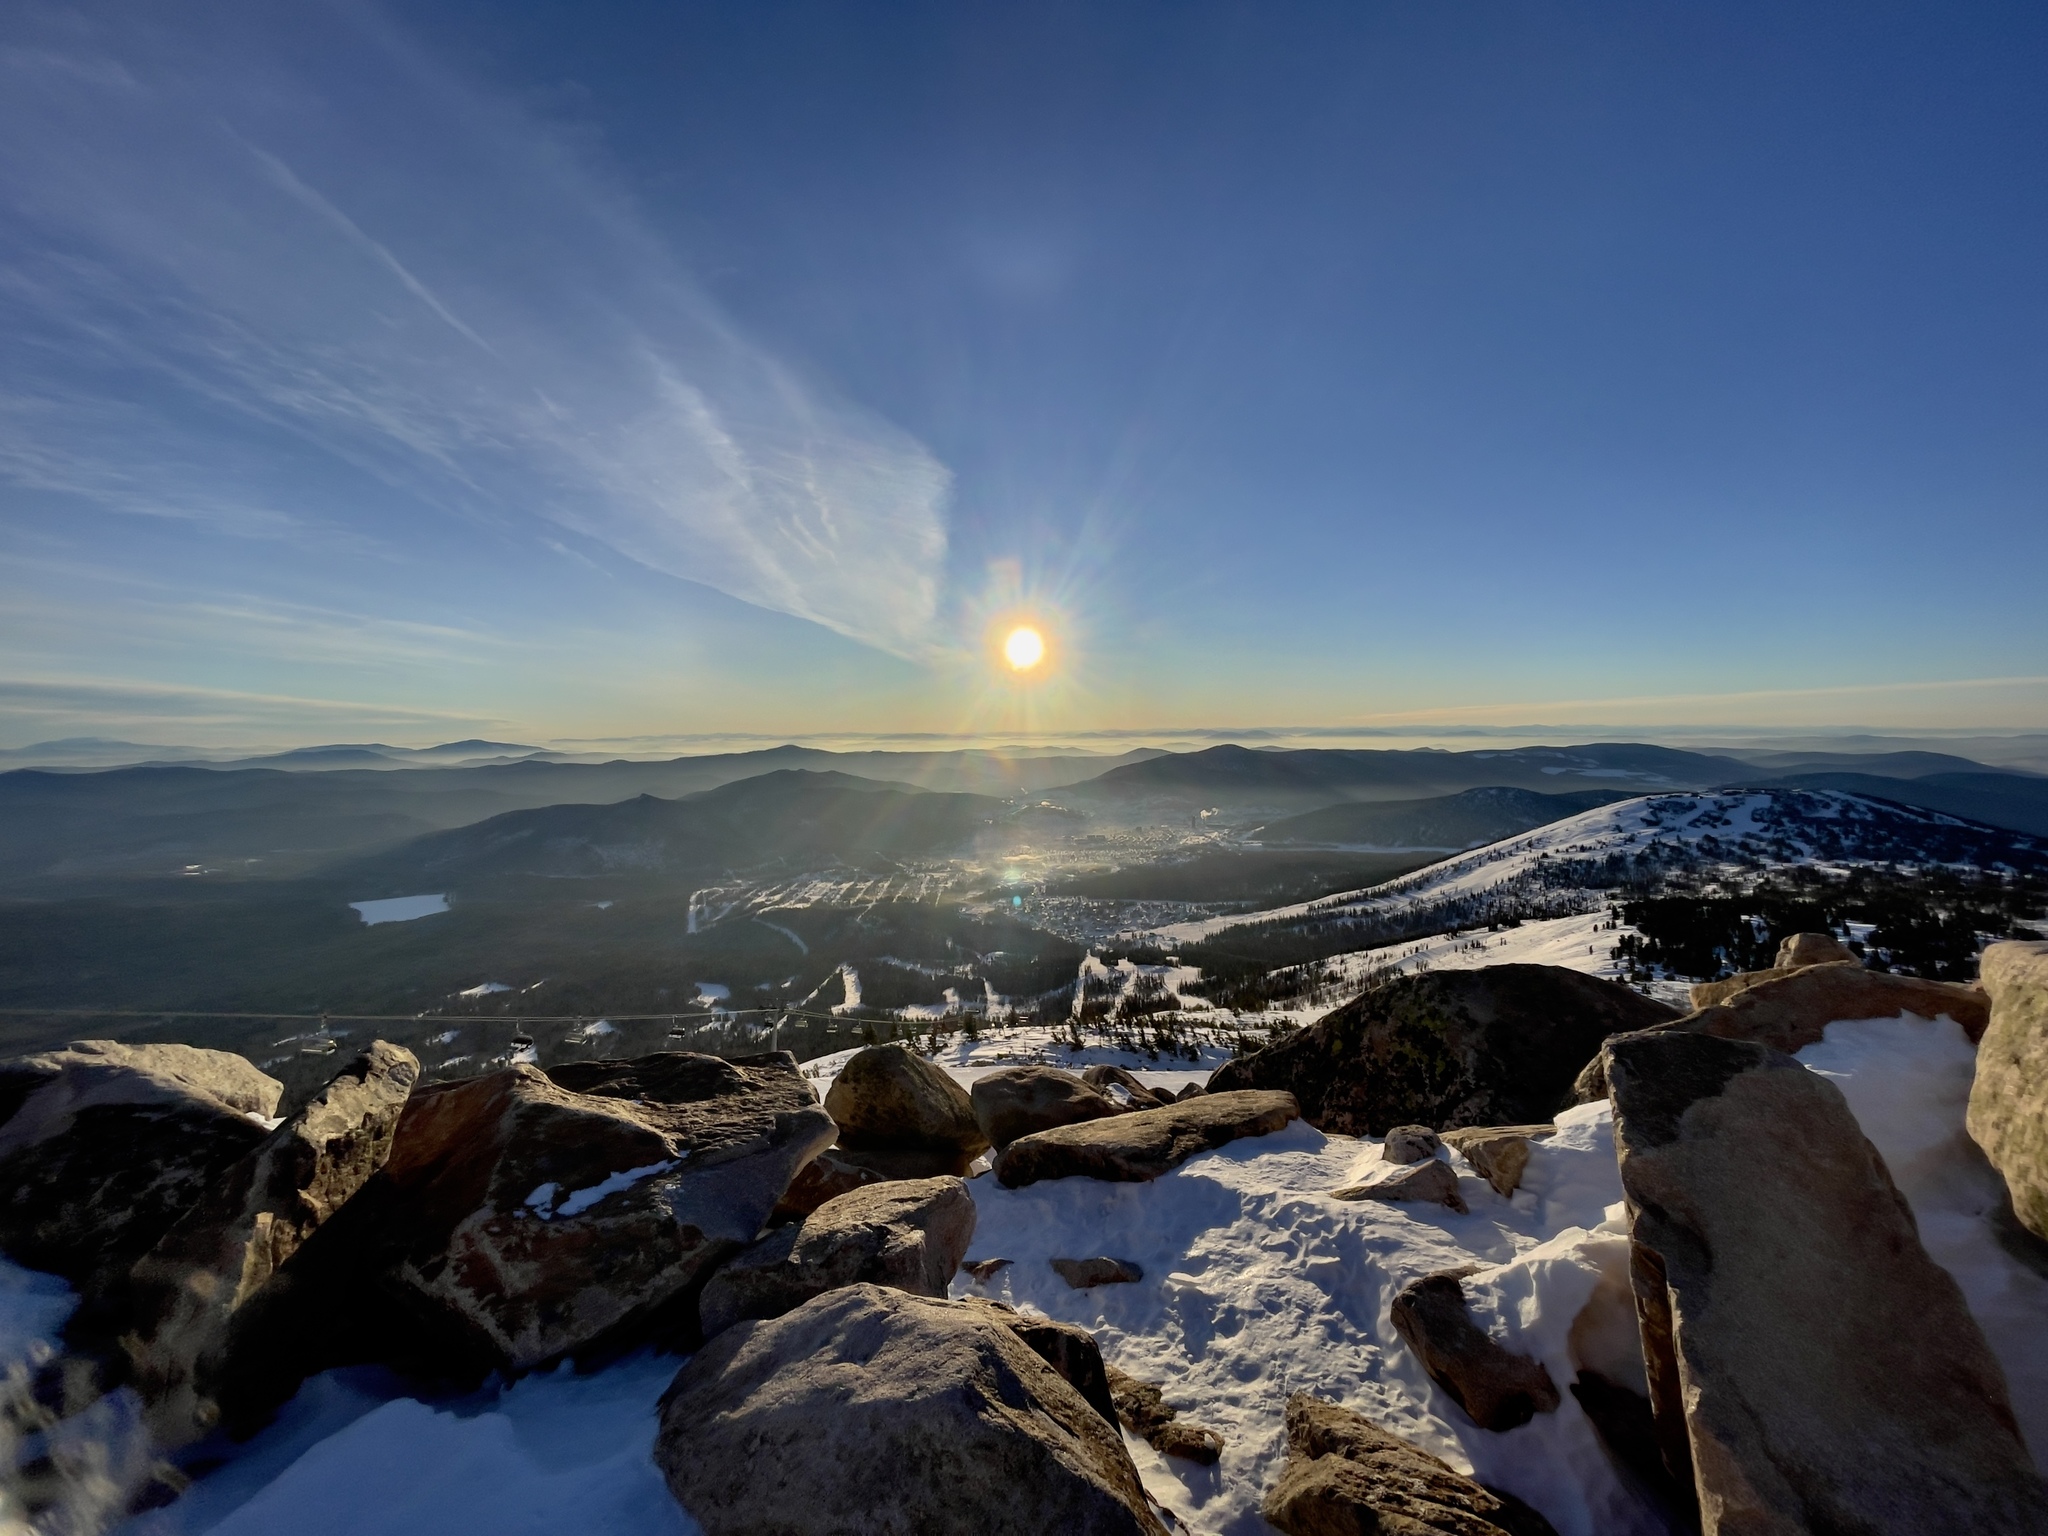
(1562, 865)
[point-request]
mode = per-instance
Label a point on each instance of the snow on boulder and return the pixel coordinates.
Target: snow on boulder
(1446, 1049)
(1345, 1474)
(106, 1145)
(1016, 1101)
(1805, 1356)
(1146, 1143)
(867, 1409)
(185, 1292)
(2009, 1099)
(909, 1234)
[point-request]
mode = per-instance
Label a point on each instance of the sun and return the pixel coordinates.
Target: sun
(1024, 649)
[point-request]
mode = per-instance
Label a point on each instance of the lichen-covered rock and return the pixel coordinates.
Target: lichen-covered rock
(1345, 1476)
(2009, 1098)
(1146, 1143)
(1792, 1011)
(909, 1234)
(1491, 1046)
(867, 1410)
(1810, 1367)
(1499, 1389)
(1499, 1154)
(105, 1146)
(185, 1291)
(889, 1096)
(1016, 1101)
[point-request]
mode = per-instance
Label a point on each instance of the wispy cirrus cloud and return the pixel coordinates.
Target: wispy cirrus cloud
(275, 271)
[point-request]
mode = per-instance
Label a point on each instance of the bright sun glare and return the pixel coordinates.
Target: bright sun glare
(1025, 648)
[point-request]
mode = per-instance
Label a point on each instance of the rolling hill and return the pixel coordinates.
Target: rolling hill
(1444, 823)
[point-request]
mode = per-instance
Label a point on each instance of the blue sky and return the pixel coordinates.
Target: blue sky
(562, 371)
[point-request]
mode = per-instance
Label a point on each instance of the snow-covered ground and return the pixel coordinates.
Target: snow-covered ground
(967, 1059)
(399, 909)
(1256, 1284)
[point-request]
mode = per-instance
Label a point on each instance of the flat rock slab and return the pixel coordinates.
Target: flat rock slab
(105, 1146)
(909, 1234)
(1491, 1046)
(1082, 1274)
(2009, 1098)
(1345, 1476)
(1498, 1389)
(1430, 1182)
(1810, 1367)
(869, 1412)
(1139, 1146)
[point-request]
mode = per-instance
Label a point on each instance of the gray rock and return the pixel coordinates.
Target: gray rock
(1411, 1144)
(105, 1146)
(1791, 1011)
(889, 1096)
(1124, 1089)
(186, 1290)
(1142, 1409)
(2009, 1098)
(1810, 1367)
(1499, 1389)
(1430, 1182)
(1499, 1154)
(1143, 1145)
(869, 1411)
(1084, 1273)
(1017, 1101)
(1495, 1046)
(909, 1234)
(1345, 1476)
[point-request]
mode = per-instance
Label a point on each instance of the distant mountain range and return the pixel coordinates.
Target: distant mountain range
(1445, 823)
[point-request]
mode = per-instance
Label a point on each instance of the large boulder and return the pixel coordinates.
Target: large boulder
(867, 1410)
(1483, 1047)
(1429, 1182)
(1794, 953)
(1345, 1476)
(2009, 1098)
(1810, 1367)
(1498, 1388)
(526, 1216)
(1499, 1153)
(105, 1146)
(1067, 1347)
(1792, 1011)
(1146, 1143)
(185, 1291)
(910, 1234)
(888, 1096)
(1016, 1101)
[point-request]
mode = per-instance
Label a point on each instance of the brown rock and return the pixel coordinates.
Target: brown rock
(1084, 1273)
(984, 1270)
(1345, 1476)
(828, 1175)
(1804, 949)
(909, 1234)
(1067, 1348)
(1708, 994)
(1411, 1144)
(870, 1411)
(105, 1146)
(1792, 1011)
(185, 1291)
(1499, 1389)
(889, 1096)
(1499, 1154)
(1017, 1101)
(1143, 1145)
(2009, 1098)
(1143, 1410)
(1822, 1371)
(1430, 1183)
(1494, 1046)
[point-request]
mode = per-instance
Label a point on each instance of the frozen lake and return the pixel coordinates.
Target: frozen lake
(399, 909)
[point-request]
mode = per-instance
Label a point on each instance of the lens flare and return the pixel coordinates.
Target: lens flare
(1025, 648)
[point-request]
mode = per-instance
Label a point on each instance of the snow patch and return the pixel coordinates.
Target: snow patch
(542, 1202)
(399, 909)
(484, 989)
